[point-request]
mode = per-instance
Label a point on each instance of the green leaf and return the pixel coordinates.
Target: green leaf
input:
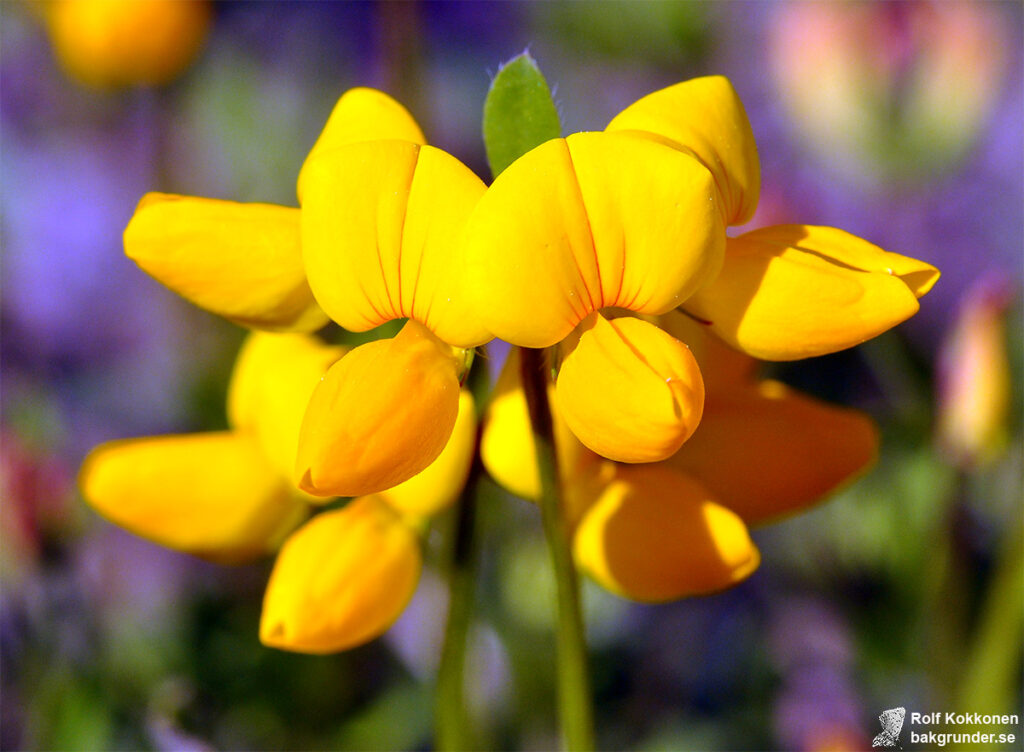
(519, 113)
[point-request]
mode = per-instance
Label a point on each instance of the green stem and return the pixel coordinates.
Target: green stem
(574, 703)
(993, 659)
(453, 732)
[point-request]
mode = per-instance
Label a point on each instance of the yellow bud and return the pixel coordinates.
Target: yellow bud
(974, 384)
(656, 535)
(341, 580)
(381, 415)
(436, 487)
(629, 391)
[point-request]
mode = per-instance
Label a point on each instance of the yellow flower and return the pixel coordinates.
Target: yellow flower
(376, 239)
(786, 292)
(339, 580)
(661, 531)
(588, 223)
(634, 218)
(127, 42)
(381, 223)
(643, 531)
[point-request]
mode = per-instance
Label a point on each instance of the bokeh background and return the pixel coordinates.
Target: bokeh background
(901, 122)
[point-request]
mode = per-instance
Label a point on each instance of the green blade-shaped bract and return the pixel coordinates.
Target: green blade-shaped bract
(519, 113)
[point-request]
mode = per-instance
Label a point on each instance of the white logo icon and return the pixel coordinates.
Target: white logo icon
(892, 724)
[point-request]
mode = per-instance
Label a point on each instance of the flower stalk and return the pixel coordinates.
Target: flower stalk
(573, 680)
(453, 732)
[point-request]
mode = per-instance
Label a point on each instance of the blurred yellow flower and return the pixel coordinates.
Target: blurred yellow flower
(974, 378)
(868, 85)
(111, 43)
(339, 580)
(634, 218)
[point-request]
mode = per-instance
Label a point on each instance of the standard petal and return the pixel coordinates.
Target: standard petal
(381, 415)
(363, 114)
(274, 377)
(706, 117)
(655, 535)
(507, 448)
(591, 221)
(797, 291)
(436, 487)
(381, 223)
(341, 580)
(240, 261)
(212, 495)
(769, 451)
(629, 391)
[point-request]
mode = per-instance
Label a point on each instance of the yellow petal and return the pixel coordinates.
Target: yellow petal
(705, 116)
(769, 451)
(656, 535)
(629, 391)
(341, 580)
(797, 291)
(127, 42)
(507, 448)
(435, 488)
(274, 377)
(591, 221)
(364, 115)
(382, 414)
(212, 495)
(240, 261)
(381, 222)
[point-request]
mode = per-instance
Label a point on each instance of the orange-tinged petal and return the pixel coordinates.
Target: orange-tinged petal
(797, 291)
(381, 415)
(592, 221)
(507, 447)
(656, 535)
(629, 391)
(363, 114)
(341, 580)
(240, 261)
(706, 117)
(274, 377)
(436, 487)
(381, 222)
(212, 495)
(771, 451)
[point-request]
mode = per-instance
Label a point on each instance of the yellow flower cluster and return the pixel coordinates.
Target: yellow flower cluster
(589, 245)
